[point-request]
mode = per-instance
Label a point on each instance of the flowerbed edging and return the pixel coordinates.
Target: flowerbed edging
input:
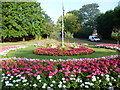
(109, 46)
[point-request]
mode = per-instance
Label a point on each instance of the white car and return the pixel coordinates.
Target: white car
(94, 38)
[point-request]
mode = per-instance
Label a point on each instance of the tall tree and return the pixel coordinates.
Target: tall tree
(116, 28)
(89, 13)
(105, 24)
(71, 24)
(20, 19)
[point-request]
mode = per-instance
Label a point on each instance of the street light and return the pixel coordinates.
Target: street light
(63, 24)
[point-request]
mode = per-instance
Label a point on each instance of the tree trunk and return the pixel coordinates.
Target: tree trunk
(23, 38)
(118, 42)
(37, 37)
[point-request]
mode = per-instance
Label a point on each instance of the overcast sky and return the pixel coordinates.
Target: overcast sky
(54, 7)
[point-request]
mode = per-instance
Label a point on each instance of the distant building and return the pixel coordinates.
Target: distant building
(119, 3)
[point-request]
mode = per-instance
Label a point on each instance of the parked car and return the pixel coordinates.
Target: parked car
(94, 38)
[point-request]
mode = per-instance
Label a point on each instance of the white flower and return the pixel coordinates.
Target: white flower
(9, 84)
(59, 85)
(2, 80)
(119, 76)
(16, 85)
(64, 86)
(72, 75)
(110, 84)
(51, 59)
(107, 76)
(72, 78)
(25, 80)
(22, 77)
(14, 81)
(3, 74)
(48, 87)
(34, 85)
(18, 75)
(60, 82)
(11, 76)
(110, 88)
(38, 77)
(8, 75)
(50, 76)
(53, 81)
(63, 79)
(108, 79)
(24, 84)
(80, 80)
(97, 77)
(91, 84)
(114, 79)
(43, 86)
(93, 78)
(51, 85)
(82, 85)
(39, 80)
(6, 82)
(86, 86)
(18, 80)
(99, 80)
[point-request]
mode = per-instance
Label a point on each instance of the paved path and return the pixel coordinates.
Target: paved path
(87, 41)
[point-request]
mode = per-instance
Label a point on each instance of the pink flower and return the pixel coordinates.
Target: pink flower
(35, 75)
(89, 76)
(15, 74)
(21, 73)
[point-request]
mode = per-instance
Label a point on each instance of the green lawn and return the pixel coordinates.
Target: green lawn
(24, 42)
(28, 53)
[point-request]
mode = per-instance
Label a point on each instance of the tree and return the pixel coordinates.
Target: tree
(116, 29)
(52, 30)
(89, 13)
(71, 24)
(77, 14)
(105, 24)
(20, 19)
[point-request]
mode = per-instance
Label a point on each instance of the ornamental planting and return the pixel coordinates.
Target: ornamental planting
(70, 49)
(37, 74)
(109, 46)
(6, 49)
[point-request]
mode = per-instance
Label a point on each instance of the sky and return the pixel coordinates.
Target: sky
(54, 7)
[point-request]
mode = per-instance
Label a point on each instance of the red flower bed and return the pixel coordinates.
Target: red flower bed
(69, 52)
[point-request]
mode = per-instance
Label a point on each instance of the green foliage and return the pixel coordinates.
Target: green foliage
(52, 30)
(108, 22)
(86, 18)
(21, 19)
(89, 13)
(68, 35)
(105, 24)
(71, 23)
(117, 16)
(116, 35)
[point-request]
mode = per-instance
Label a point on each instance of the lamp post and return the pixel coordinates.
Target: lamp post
(62, 24)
